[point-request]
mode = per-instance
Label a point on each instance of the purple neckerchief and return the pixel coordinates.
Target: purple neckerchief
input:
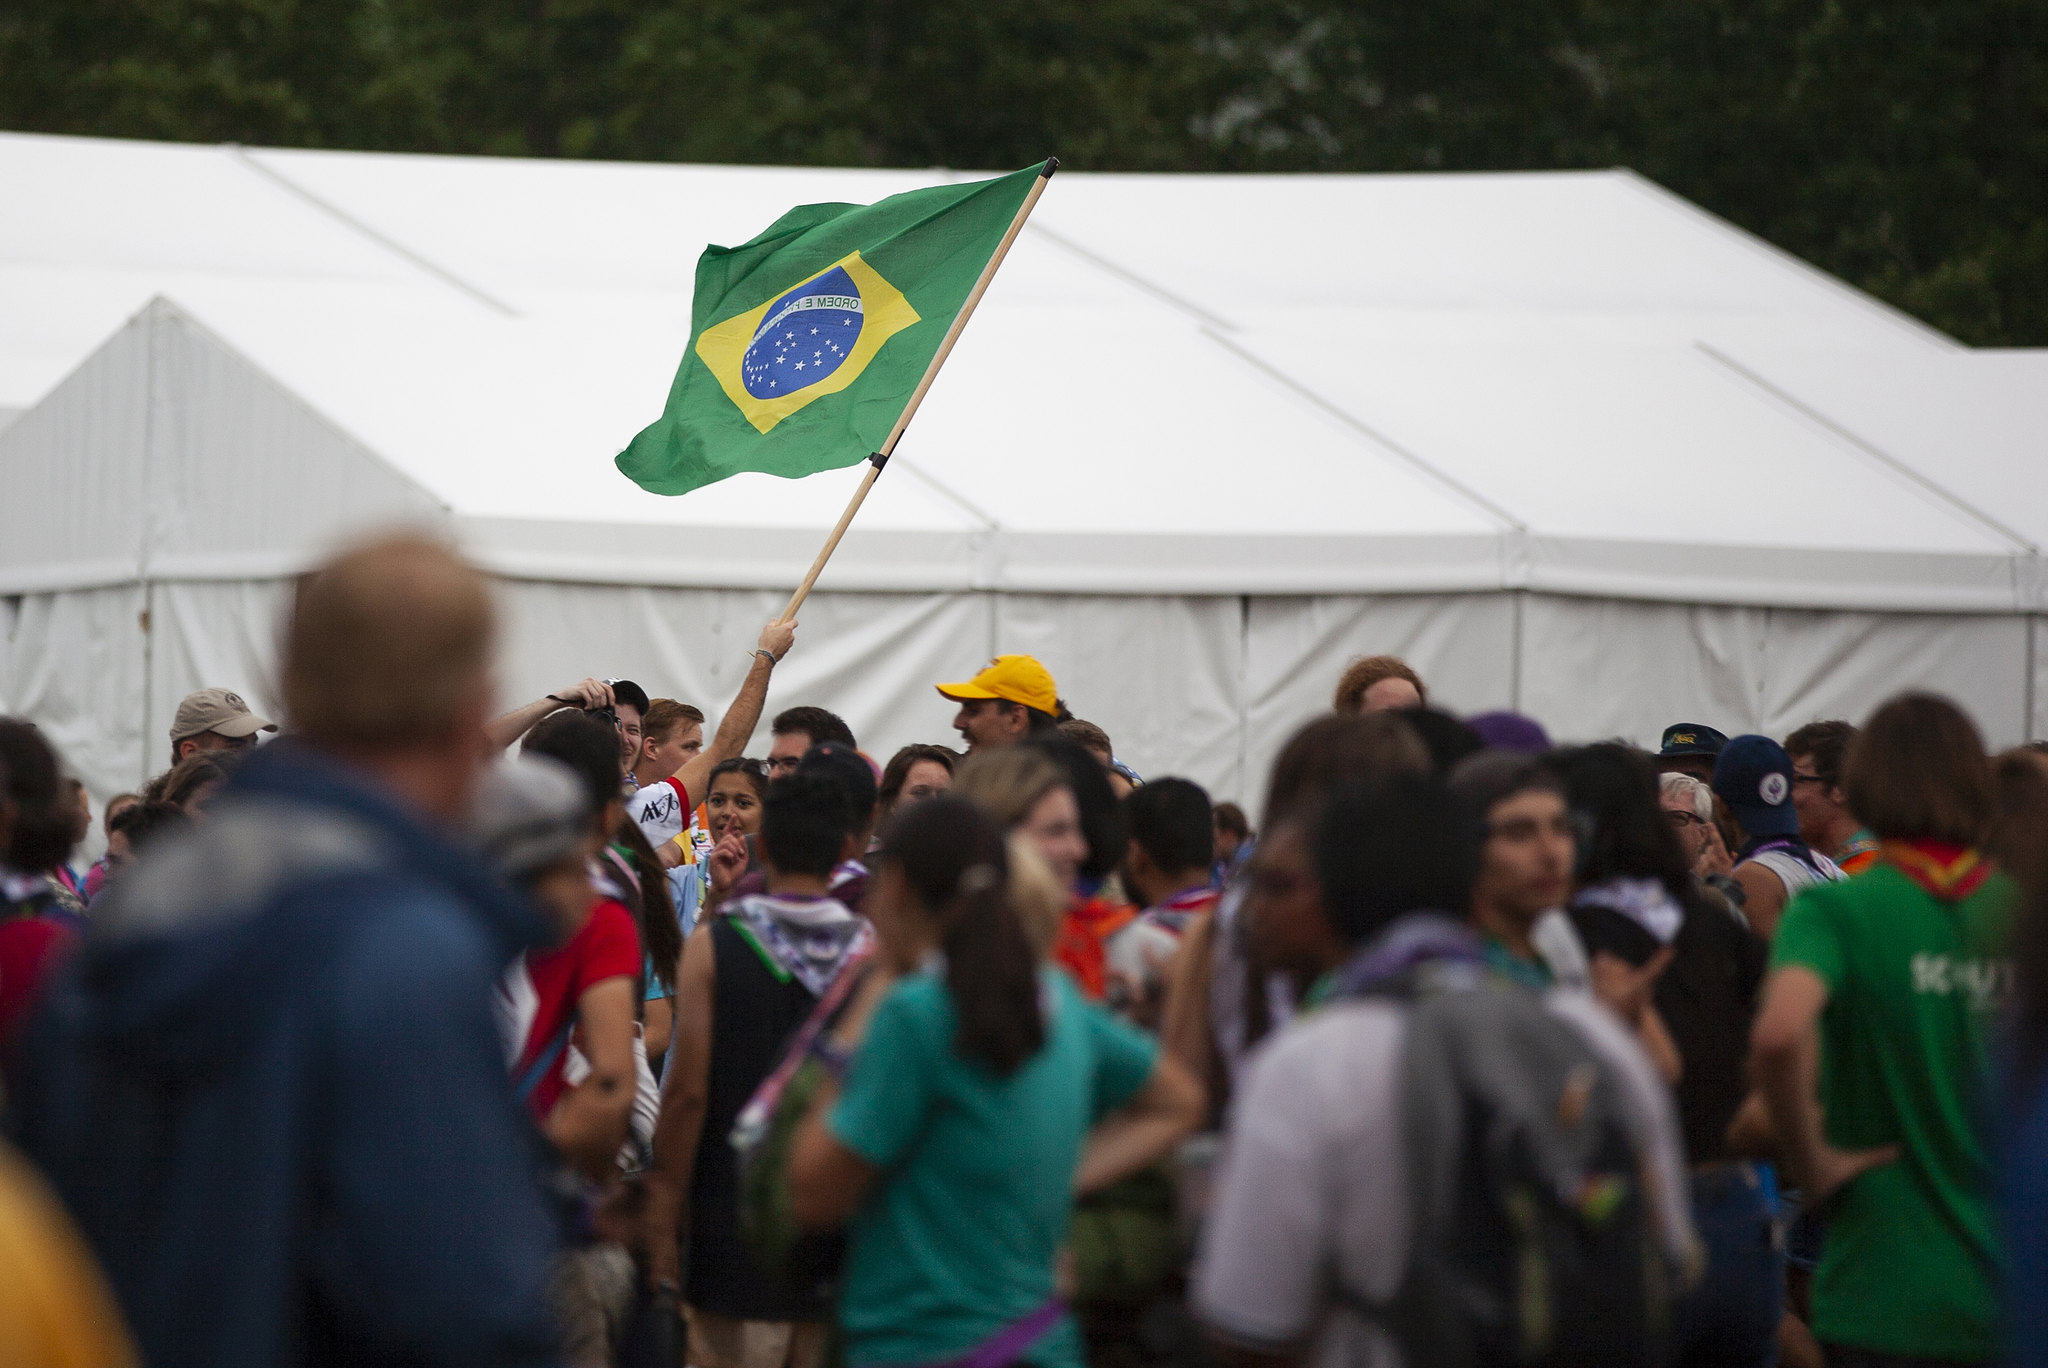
(1416, 939)
(1791, 845)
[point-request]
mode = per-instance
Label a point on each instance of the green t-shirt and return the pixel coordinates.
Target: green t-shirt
(1914, 987)
(958, 1238)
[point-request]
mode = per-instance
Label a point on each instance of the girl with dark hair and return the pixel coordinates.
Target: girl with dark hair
(1893, 980)
(1635, 905)
(967, 1119)
(731, 812)
(914, 774)
(732, 802)
(644, 890)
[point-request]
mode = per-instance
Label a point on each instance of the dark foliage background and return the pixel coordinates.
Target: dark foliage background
(1903, 146)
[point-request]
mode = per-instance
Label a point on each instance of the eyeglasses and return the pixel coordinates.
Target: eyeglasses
(1798, 779)
(1681, 818)
(783, 764)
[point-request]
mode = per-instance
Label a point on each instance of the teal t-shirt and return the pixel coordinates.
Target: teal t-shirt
(1915, 984)
(958, 1238)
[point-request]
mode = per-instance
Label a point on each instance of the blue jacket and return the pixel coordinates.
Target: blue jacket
(270, 1088)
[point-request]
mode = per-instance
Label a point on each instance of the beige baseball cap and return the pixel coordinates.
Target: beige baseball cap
(216, 710)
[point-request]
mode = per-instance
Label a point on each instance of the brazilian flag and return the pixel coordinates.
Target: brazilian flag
(807, 342)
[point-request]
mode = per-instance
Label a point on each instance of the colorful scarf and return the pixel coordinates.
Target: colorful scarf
(1088, 924)
(1948, 872)
(1859, 854)
(808, 939)
(1183, 907)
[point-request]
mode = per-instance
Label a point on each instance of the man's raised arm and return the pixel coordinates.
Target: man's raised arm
(503, 731)
(744, 715)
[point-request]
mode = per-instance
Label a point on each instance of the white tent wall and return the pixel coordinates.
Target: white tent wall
(73, 662)
(159, 458)
(1597, 668)
(1162, 675)
(2037, 676)
(1463, 645)
(75, 459)
(211, 634)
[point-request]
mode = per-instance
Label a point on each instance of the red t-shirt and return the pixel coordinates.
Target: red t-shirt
(28, 947)
(544, 987)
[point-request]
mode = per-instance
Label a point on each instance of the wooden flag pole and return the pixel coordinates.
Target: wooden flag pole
(881, 458)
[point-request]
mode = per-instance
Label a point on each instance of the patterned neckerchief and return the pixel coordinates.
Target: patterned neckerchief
(1177, 911)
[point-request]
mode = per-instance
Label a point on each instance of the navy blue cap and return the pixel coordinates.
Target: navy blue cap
(1753, 776)
(1690, 738)
(849, 771)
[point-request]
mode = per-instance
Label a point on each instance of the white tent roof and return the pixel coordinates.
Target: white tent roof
(1179, 384)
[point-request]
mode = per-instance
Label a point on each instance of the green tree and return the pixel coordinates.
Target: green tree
(1900, 145)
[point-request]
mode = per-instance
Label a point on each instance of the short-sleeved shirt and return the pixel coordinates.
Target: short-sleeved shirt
(1914, 986)
(958, 1238)
(539, 993)
(1312, 1187)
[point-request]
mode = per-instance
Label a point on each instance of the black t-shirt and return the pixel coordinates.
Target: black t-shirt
(1707, 999)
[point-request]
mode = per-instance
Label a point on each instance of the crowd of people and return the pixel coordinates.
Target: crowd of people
(425, 1033)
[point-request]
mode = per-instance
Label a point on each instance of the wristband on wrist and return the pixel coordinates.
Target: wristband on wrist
(768, 655)
(558, 698)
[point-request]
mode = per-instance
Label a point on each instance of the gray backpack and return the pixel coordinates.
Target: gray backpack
(1532, 1237)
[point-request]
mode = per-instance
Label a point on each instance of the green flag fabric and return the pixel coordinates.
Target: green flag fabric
(805, 344)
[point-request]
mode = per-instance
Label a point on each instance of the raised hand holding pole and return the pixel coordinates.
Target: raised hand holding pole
(881, 458)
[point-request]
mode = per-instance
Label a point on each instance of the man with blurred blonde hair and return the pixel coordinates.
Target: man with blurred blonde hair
(270, 1087)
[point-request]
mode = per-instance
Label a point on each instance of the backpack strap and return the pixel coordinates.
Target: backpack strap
(544, 1062)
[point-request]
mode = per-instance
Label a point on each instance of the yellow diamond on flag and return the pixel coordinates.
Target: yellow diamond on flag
(812, 340)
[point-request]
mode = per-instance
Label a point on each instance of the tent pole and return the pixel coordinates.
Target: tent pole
(881, 458)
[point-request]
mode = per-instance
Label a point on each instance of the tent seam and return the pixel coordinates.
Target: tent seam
(386, 241)
(988, 521)
(310, 409)
(1896, 465)
(1372, 434)
(1785, 260)
(1159, 292)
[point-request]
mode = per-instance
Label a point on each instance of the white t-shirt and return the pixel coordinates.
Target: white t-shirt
(1313, 1190)
(662, 809)
(1313, 1185)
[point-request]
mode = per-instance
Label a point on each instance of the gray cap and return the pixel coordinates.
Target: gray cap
(216, 710)
(530, 812)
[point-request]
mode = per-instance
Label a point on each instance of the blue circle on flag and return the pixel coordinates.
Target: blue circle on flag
(805, 336)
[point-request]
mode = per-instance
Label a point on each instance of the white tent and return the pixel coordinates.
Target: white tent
(1562, 440)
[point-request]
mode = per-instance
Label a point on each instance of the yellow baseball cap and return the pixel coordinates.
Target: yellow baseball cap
(1013, 678)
